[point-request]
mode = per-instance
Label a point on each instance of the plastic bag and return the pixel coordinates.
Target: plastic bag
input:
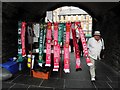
(4, 74)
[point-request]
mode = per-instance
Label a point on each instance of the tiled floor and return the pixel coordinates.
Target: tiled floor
(76, 80)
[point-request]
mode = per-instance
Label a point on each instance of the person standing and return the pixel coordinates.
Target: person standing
(71, 42)
(80, 47)
(95, 45)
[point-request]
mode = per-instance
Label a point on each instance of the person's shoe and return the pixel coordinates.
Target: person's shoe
(92, 79)
(78, 69)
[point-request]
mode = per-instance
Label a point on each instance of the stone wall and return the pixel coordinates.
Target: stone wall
(0, 40)
(110, 29)
(9, 31)
(108, 24)
(10, 17)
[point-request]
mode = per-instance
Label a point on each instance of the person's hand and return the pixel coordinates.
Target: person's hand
(99, 59)
(103, 57)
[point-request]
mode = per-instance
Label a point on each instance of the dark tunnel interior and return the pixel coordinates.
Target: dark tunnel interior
(106, 18)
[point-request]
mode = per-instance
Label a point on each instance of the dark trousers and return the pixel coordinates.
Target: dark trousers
(80, 47)
(71, 44)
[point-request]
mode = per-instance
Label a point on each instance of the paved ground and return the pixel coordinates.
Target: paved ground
(80, 80)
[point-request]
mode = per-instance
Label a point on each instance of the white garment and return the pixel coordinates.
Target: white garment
(71, 34)
(36, 28)
(94, 47)
(77, 33)
(92, 68)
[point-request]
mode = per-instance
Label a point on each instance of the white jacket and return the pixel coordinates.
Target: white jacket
(95, 47)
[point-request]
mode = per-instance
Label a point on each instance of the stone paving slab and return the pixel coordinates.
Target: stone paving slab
(107, 79)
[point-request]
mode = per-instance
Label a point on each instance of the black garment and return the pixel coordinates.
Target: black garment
(71, 44)
(80, 47)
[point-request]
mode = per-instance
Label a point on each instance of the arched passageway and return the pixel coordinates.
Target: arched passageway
(106, 18)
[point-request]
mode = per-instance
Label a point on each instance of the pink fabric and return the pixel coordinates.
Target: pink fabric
(23, 39)
(66, 48)
(77, 55)
(85, 50)
(48, 46)
(56, 49)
